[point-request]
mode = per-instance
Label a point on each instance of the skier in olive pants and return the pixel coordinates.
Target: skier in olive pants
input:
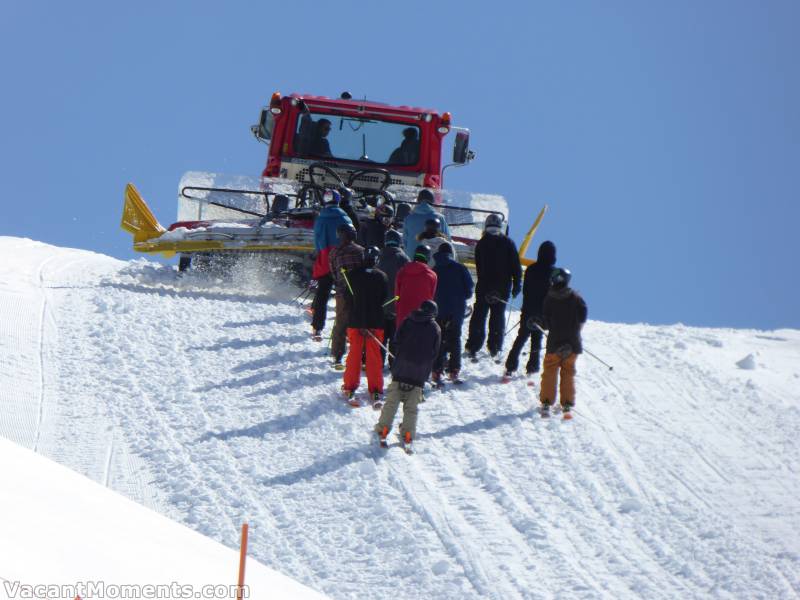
(417, 342)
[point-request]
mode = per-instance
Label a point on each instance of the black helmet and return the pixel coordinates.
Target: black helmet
(347, 196)
(494, 220)
(433, 224)
(331, 198)
(429, 309)
(371, 256)
(422, 253)
(446, 248)
(392, 238)
(560, 278)
(425, 195)
(346, 231)
(384, 211)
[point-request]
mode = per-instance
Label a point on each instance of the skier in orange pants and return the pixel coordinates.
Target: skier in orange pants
(367, 291)
(358, 339)
(564, 312)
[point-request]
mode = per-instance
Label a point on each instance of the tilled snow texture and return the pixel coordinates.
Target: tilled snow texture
(678, 476)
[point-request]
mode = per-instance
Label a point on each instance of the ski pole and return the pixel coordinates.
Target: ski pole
(303, 295)
(374, 337)
(492, 298)
(597, 358)
(347, 281)
(512, 327)
(388, 302)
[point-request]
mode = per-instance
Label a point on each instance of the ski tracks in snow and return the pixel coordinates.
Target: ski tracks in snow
(215, 408)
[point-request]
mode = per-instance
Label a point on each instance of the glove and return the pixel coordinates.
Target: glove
(533, 324)
(516, 290)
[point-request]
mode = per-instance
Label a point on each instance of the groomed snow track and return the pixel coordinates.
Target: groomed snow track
(678, 476)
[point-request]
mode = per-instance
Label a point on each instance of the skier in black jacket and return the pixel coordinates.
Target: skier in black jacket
(534, 290)
(564, 312)
(499, 274)
(373, 231)
(390, 262)
(365, 326)
(417, 343)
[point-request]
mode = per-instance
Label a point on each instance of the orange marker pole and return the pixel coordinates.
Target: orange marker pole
(242, 559)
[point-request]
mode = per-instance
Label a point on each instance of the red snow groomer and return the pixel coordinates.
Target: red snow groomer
(372, 153)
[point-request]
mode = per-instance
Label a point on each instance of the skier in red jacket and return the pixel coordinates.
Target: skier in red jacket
(415, 283)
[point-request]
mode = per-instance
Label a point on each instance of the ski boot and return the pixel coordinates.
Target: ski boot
(454, 378)
(350, 398)
(544, 411)
(316, 335)
(337, 363)
(566, 411)
(507, 377)
(436, 380)
(406, 441)
(377, 400)
(383, 435)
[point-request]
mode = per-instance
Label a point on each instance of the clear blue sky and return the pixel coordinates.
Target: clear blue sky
(665, 136)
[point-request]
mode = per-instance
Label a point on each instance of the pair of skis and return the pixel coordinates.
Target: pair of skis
(358, 400)
(544, 413)
(384, 443)
(506, 378)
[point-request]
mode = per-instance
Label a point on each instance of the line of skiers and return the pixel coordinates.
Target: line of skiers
(403, 297)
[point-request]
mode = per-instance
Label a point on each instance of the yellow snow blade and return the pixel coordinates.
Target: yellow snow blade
(523, 249)
(137, 218)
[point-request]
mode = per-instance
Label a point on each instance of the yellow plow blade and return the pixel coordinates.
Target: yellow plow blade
(137, 218)
(523, 249)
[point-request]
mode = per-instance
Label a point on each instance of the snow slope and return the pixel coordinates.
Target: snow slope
(208, 402)
(60, 528)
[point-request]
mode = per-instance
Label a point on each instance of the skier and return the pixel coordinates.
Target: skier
(347, 206)
(325, 239)
(347, 255)
(453, 289)
(499, 273)
(564, 312)
(417, 343)
(373, 231)
(432, 236)
(534, 290)
(392, 259)
(415, 283)
(365, 326)
(414, 223)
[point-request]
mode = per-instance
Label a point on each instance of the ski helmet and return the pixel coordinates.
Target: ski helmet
(425, 195)
(445, 248)
(371, 256)
(493, 223)
(433, 225)
(385, 211)
(429, 309)
(422, 253)
(331, 198)
(346, 232)
(347, 195)
(560, 278)
(392, 238)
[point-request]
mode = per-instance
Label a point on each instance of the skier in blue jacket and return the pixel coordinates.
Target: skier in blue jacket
(454, 288)
(414, 223)
(325, 239)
